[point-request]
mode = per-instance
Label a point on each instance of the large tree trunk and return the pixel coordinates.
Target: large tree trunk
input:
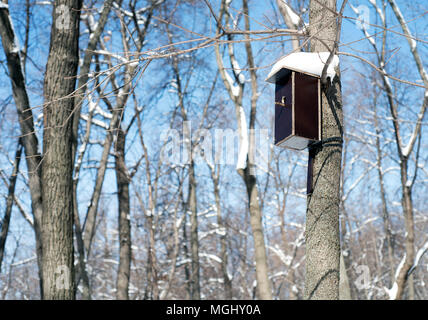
(59, 84)
(25, 116)
(322, 215)
(122, 178)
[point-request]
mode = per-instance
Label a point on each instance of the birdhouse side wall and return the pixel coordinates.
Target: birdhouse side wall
(306, 109)
(283, 108)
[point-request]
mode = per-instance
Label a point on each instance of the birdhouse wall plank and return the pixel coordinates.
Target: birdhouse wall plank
(283, 108)
(306, 118)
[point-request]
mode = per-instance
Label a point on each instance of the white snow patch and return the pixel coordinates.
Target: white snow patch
(295, 19)
(238, 71)
(392, 293)
(243, 143)
(178, 222)
(285, 259)
(368, 36)
(95, 121)
(16, 44)
(101, 112)
(235, 89)
(221, 231)
(379, 12)
(210, 257)
(91, 104)
(25, 261)
(308, 62)
(113, 55)
(421, 251)
(133, 63)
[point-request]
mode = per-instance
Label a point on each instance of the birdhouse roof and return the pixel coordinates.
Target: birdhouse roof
(311, 63)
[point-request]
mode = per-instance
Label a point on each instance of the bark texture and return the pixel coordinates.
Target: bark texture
(122, 178)
(57, 187)
(322, 215)
(194, 241)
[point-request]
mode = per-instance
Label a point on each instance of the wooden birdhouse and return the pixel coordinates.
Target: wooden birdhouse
(298, 98)
(297, 109)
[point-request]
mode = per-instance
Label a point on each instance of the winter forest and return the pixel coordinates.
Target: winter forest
(137, 154)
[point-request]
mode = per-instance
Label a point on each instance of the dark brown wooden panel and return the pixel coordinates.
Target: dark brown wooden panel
(283, 110)
(306, 106)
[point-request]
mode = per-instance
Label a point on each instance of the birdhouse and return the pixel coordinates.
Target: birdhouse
(298, 98)
(297, 79)
(297, 109)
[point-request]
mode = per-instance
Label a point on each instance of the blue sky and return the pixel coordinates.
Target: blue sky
(156, 115)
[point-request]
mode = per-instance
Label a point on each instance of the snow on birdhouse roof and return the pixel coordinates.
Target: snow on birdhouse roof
(311, 63)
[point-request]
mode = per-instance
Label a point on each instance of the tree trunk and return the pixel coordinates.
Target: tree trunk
(249, 176)
(385, 213)
(262, 270)
(79, 98)
(122, 178)
(152, 276)
(191, 204)
(322, 215)
(29, 137)
(59, 84)
(344, 286)
(186, 255)
(194, 241)
(9, 201)
(227, 282)
(85, 68)
(407, 205)
(246, 166)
